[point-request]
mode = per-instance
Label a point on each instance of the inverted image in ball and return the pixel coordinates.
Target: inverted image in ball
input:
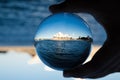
(63, 41)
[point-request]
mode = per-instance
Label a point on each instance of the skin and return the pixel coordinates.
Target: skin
(107, 59)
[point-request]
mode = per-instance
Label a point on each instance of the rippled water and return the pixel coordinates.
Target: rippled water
(19, 20)
(63, 54)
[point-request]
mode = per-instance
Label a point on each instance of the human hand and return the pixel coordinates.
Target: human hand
(107, 59)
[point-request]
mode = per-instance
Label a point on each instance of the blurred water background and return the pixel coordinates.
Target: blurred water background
(19, 20)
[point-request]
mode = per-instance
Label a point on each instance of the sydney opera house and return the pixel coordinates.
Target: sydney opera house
(61, 36)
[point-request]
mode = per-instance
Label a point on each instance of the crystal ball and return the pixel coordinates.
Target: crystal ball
(63, 41)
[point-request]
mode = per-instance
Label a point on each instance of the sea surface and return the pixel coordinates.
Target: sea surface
(19, 21)
(63, 54)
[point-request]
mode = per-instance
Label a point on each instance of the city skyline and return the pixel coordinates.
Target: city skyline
(62, 36)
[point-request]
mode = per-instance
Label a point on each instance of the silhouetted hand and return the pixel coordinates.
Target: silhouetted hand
(107, 59)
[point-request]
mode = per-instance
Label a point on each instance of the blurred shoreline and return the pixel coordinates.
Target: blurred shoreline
(28, 49)
(31, 50)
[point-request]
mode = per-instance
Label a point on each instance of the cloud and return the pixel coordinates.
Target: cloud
(60, 34)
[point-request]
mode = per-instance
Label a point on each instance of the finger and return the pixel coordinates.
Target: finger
(62, 7)
(56, 8)
(80, 71)
(85, 71)
(68, 6)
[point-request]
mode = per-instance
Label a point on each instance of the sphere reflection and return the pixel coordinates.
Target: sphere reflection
(63, 41)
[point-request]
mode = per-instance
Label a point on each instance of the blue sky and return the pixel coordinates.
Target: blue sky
(65, 23)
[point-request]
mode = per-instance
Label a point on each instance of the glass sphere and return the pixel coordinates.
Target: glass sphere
(63, 41)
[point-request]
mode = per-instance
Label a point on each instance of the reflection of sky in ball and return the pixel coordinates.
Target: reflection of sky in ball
(65, 23)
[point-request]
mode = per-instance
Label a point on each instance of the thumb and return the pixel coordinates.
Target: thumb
(81, 71)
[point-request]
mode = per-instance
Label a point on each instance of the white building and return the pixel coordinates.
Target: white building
(61, 36)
